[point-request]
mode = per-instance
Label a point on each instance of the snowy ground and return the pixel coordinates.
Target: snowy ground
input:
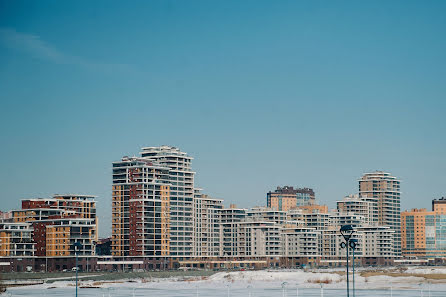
(256, 283)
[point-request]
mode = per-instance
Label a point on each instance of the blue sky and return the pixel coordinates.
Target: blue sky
(261, 93)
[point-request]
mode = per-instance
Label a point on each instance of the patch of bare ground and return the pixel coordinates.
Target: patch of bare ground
(397, 272)
(320, 281)
(434, 276)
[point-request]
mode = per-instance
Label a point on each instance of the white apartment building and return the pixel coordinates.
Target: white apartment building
(207, 225)
(340, 219)
(229, 227)
(386, 188)
(300, 241)
(259, 239)
(267, 214)
(331, 243)
(377, 241)
(181, 178)
(364, 206)
(372, 242)
(317, 220)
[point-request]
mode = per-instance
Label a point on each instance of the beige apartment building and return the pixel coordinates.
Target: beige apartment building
(386, 188)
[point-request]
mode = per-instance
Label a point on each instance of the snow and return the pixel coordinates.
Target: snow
(431, 270)
(264, 279)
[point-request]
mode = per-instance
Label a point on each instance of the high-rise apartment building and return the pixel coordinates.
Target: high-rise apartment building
(424, 232)
(286, 198)
(140, 208)
(386, 188)
(181, 179)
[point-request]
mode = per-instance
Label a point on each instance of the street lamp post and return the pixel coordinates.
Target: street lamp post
(77, 246)
(352, 244)
(347, 232)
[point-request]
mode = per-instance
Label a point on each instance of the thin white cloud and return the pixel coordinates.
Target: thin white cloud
(34, 45)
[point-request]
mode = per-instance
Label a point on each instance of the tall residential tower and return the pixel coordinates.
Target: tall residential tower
(140, 208)
(386, 188)
(181, 179)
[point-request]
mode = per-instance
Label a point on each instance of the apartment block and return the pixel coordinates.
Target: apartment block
(259, 239)
(377, 242)
(206, 225)
(140, 208)
(35, 214)
(299, 241)
(286, 198)
(267, 214)
(229, 227)
(386, 188)
(16, 240)
(181, 179)
(423, 232)
(62, 234)
(316, 220)
(341, 219)
(374, 245)
(366, 207)
(48, 227)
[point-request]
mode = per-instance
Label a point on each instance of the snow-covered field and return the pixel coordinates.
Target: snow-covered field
(255, 283)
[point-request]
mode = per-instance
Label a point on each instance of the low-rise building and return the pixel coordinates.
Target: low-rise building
(423, 232)
(229, 224)
(16, 240)
(286, 198)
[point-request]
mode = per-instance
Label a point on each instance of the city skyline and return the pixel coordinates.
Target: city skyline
(105, 221)
(104, 227)
(261, 94)
(160, 219)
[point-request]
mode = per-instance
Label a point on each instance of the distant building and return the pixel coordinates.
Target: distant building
(314, 208)
(286, 198)
(61, 234)
(181, 179)
(16, 240)
(5, 215)
(301, 241)
(140, 208)
(48, 227)
(424, 232)
(259, 239)
(386, 188)
(229, 224)
(363, 206)
(374, 245)
(207, 218)
(267, 214)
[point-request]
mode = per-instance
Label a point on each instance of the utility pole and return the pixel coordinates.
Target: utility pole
(347, 232)
(352, 244)
(77, 246)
